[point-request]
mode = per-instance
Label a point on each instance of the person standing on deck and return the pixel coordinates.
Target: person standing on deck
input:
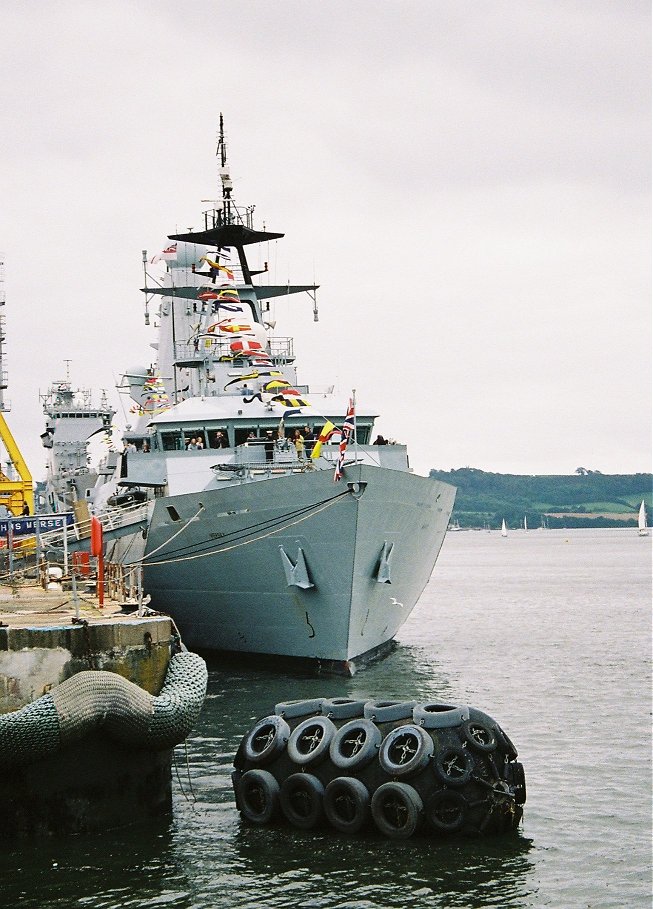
(298, 442)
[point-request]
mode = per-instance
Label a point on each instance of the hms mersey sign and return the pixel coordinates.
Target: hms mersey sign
(28, 526)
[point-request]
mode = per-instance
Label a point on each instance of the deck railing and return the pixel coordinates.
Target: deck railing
(281, 350)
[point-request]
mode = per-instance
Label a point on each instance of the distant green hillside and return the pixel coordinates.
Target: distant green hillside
(586, 499)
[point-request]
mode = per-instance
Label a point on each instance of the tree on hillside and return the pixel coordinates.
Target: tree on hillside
(484, 498)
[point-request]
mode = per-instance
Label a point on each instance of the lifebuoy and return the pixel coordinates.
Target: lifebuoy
(388, 711)
(397, 810)
(405, 750)
(266, 739)
(479, 736)
(440, 716)
(446, 811)
(355, 744)
(301, 798)
(347, 804)
(454, 766)
(309, 742)
(257, 796)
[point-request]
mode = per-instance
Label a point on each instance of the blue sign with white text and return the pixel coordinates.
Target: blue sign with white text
(27, 526)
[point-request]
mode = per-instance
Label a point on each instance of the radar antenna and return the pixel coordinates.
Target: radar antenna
(225, 176)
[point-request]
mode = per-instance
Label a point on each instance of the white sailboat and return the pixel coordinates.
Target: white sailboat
(641, 521)
(504, 530)
(525, 523)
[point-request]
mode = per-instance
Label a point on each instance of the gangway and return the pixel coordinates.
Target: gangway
(54, 547)
(116, 523)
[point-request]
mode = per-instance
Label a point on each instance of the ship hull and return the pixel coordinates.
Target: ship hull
(298, 567)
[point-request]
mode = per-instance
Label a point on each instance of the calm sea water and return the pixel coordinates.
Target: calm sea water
(549, 632)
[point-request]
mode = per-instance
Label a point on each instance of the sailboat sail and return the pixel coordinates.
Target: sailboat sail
(504, 531)
(641, 520)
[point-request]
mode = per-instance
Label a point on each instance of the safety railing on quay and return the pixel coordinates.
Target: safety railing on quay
(120, 583)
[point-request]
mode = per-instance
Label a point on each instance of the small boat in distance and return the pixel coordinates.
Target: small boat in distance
(641, 521)
(504, 530)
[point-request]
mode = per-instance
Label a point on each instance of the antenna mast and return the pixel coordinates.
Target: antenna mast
(225, 176)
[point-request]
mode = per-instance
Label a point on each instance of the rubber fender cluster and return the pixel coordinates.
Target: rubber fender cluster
(398, 767)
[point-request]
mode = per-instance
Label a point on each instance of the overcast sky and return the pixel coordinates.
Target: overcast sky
(469, 183)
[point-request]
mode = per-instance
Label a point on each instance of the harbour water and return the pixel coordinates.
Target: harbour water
(549, 632)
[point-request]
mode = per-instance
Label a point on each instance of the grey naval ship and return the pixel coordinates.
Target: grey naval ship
(72, 420)
(313, 545)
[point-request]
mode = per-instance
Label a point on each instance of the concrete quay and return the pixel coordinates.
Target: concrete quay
(45, 638)
(97, 782)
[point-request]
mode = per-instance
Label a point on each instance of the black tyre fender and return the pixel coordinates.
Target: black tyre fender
(294, 709)
(505, 742)
(388, 711)
(347, 804)
(309, 741)
(479, 736)
(454, 766)
(503, 739)
(342, 708)
(355, 744)
(257, 796)
(266, 739)
(446, 811)
(302, 800)
(516, 779)
(431, 715)
(397, 810)
(405, 750)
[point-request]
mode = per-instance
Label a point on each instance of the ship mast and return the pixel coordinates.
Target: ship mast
(225, 176)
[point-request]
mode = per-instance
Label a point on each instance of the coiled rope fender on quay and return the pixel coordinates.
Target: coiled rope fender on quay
(397, 766)
(92, 700)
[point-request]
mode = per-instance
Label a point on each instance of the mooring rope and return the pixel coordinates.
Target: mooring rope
(219, 550)
(173, 537)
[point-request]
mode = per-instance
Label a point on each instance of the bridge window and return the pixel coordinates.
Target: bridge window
(172, 441)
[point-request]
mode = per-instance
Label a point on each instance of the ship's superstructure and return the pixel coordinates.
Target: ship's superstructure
(72, 419)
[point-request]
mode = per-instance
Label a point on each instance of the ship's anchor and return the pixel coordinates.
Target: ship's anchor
(357, 489)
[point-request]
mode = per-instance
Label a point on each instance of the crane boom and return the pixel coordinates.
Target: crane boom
(15, 494)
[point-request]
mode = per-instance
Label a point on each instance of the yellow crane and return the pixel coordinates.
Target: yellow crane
(17, 495)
